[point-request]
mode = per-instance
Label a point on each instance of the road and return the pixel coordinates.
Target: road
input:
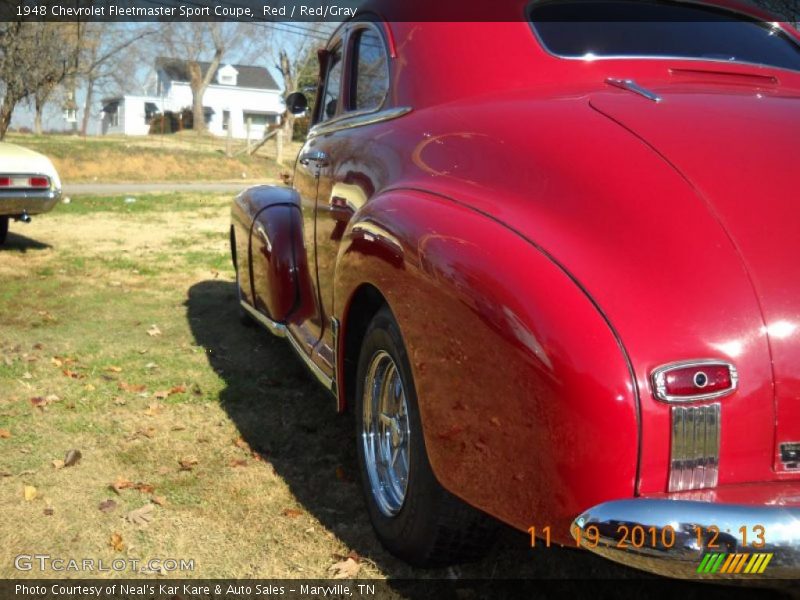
(119, 189)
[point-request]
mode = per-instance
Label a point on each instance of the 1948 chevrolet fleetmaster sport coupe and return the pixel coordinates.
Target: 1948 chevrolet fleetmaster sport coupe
(29, 185)
(556, 284)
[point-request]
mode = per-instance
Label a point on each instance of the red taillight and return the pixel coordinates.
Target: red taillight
(695, 380)
(39, 182)
(24, 181)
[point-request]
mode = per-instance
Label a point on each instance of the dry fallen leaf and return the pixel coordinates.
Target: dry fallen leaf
(56, 361)
(346, 569)
(136, 388)
(177, 389)
(153, 331)
(153, 409)
(160, 500)
(238, 462)
(151, 365)
(72, 457)
(38, 402)
(161, 395)
(145, 488)
(27, 375)
(148, 433)
(107, 505)
(187, 462)
(292, 513)
(29, 492)
(72, 374)
(141, 516)
(49, 511)
(5, 434)
(120, 401)
(58, 464)
(240, 443)
(89, 387)
(121, 484)
(116, 542)
(114, 369)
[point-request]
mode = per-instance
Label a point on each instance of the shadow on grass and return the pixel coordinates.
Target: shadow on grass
(283, 413)
(22, 244)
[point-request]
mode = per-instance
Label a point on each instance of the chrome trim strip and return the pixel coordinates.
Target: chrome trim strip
(694, 460)
(659, 380)
(371, 231)
(354, 119)
(615, 519)
(275, 328)
(632, 86)
(313, 367)
(335, 382)
(280, 330)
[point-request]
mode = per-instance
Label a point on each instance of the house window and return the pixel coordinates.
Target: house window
(371, 77)
(227, 79)
(150, 110)
(226, 119)
(112, 113)
(257, 119)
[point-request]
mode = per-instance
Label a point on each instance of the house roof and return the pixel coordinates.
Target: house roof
(249, 76)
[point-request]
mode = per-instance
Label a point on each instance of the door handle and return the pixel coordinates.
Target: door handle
(318, 157)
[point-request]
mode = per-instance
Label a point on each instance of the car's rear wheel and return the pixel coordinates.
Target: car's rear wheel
(413, 515)
(3, 229)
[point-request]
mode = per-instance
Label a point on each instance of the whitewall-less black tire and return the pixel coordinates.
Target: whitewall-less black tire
(413, 515)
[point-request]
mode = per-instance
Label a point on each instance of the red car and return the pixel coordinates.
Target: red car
(550, 265)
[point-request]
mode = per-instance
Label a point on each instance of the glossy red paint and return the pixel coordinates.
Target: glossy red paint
(545, 242)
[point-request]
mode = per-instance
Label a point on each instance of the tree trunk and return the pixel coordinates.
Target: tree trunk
(37, 120)
(198, 115)
(6, 109)
(87, 106)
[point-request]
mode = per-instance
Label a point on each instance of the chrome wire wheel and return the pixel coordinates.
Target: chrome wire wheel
(385, 433)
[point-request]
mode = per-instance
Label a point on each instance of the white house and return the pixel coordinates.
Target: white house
(239, 97)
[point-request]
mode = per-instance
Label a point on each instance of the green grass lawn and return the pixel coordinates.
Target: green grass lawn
(119, 337)
(171, 158)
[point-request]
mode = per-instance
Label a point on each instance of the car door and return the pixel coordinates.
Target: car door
(346, 163)
(310, 163)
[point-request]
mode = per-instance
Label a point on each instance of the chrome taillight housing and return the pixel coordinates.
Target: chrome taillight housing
(690, 381)
(20, 182)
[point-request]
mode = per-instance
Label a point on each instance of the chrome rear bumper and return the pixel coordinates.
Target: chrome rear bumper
(639, 533)
(33, 202)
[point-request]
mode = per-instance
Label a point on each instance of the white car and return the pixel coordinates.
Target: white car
(29, 185)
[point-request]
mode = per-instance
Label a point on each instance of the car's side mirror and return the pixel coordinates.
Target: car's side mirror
(296, 103)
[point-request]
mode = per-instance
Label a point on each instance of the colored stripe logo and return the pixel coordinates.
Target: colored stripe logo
(722, 562)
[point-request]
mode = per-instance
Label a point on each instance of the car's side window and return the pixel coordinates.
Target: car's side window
(330, 98)
(371, 73)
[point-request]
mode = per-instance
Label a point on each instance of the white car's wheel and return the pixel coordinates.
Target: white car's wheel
(3, 229)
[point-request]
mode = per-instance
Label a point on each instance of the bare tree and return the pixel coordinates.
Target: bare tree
(298, 65)
(35, 58)
(201, 46)
(106, 55)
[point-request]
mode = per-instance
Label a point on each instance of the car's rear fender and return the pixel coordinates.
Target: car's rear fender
(526, 394)
(267, 247)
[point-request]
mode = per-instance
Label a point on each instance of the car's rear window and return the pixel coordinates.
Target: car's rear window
(645, 28)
